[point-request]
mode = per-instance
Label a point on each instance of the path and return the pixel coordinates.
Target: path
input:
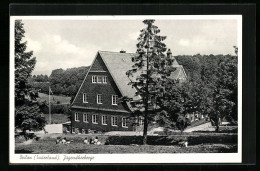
(52, 128)
(203, 127)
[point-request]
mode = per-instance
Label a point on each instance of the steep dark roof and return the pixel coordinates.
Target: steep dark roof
(119, 63)
(176, 74)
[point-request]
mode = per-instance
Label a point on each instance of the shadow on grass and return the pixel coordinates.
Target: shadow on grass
(222, 130)
(173, 140)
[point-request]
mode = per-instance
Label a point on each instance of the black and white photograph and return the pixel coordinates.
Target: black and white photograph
(126, 89)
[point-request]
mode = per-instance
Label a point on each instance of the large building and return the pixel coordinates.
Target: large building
(96, 106)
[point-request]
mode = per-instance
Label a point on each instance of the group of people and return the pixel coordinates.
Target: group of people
(92, 141)
(87, 141)
(62, 140)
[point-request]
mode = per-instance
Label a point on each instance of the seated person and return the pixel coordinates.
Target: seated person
(64, 140)
(58, 140)
(91, 141)
(96, 141)
(86, 141)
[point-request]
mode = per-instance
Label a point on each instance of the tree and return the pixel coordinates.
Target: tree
(225, 92)
(24, 65)
(68, 81)
(192, 65)
(179, 99)
(220, 89)
(27, 116)
(212, 92)
(151, 68)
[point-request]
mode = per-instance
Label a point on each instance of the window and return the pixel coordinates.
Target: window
(124, 122)
(105, 79)
(114, 99)
(99, 99)
(85, 117)
(94, 79)
(85, 99)
(94, 119)
(99, 79)
(114, 121)
(104, 120)
(76, 116)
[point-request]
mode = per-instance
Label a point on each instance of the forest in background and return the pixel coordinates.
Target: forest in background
(67, 82)
(62, 82)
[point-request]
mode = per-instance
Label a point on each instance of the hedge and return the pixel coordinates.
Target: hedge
(173, 140)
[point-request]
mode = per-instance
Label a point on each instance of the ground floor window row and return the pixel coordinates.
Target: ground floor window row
(84, 131)
(104, 119)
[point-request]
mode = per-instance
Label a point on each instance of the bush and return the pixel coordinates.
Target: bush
(60, 108)
(55, 108)
(43, 87)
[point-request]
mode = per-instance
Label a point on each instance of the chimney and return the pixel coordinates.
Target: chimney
(169, 53)
(169, 56)
(122, 51)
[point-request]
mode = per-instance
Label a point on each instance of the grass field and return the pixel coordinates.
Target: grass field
(54, 98)
(43, 148)
(200, 143)
(57, 118)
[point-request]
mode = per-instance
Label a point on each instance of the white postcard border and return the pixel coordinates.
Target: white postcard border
(125, 158)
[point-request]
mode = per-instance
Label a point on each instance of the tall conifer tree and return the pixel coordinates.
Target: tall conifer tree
(151, 68)
(27, 112)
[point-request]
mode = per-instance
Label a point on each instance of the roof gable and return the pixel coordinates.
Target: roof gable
(118, 64)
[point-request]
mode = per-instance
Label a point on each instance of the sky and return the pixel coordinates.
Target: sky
(74, 43)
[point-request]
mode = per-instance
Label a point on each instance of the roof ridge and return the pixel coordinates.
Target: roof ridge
(117, 52)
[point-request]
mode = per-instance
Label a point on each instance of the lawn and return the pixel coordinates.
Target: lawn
(54, 98)
(198, 143)
(57, 118)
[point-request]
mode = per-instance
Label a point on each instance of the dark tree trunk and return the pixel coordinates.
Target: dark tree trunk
(182, 130)
(217, 123)
(146, 102)
(24, 133)
(217, 128)
(145, 128)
